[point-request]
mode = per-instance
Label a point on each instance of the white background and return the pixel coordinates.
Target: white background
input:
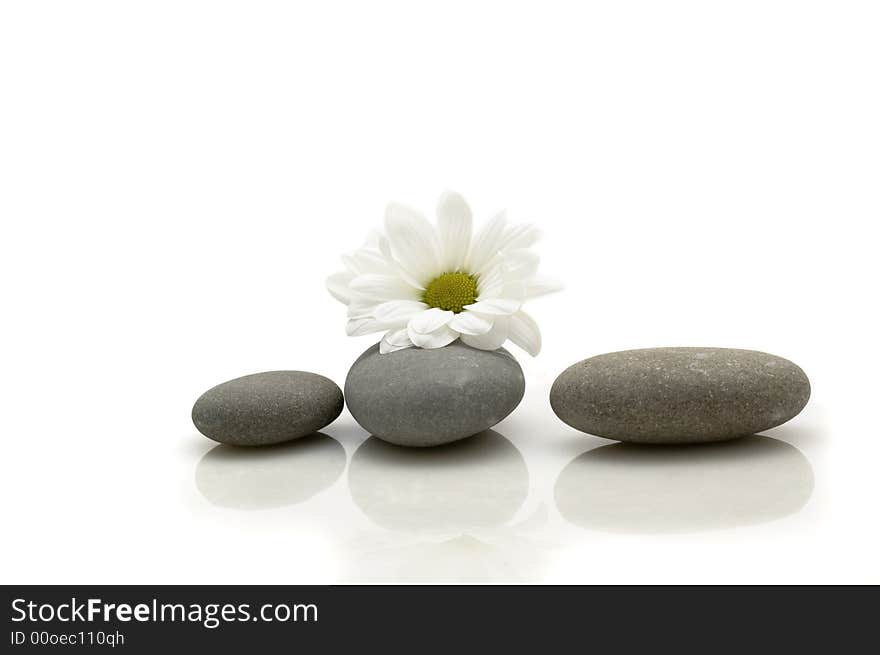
(178, 178)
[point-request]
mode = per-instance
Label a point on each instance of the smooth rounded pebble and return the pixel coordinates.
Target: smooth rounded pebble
(666, 489)
(267, 408)
(428, 397)
(679, 395)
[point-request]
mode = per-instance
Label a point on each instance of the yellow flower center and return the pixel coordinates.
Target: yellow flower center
(451, 291)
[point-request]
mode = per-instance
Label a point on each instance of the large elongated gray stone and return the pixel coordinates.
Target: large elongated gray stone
(428, 397)
(679, 395)
(267, 408)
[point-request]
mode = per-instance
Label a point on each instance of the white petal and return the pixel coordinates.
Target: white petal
(398, 311)
(541, 286)
(471, 323)
(498, 283)
(359, 308)
(394, 340)
(486, 244)
(520, 264)
(372, 240)
(492, 340)
(394, 265)
(523, 235)
(366, 261)
(357, 327)
(513, 290)
(495, 306)
(337, 285)
(383, 287)
(385, 348)
(413, 242)
(454, 230)
(398, 337)
(524, 333)
(429, 321)
(491, 283)
(437, 339)
(351, 264)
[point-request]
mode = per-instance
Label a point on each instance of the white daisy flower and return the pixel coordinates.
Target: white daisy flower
(427, 286)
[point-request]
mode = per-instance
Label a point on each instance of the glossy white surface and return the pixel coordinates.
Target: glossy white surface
(178, 178)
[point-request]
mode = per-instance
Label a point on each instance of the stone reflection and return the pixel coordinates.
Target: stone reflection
(475, 483)
(464, 559)
(269, 476)
(655, 489)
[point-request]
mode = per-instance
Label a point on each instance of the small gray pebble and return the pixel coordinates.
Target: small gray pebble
(267, 408)
(428, 397)
(679, 395)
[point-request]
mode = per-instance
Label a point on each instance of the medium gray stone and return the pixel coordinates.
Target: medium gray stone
(428, 397)
(267, 408)
(679, 395)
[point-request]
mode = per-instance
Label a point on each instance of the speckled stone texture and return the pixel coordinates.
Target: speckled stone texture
(267, 408)
(679, 395)
(428, 397)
